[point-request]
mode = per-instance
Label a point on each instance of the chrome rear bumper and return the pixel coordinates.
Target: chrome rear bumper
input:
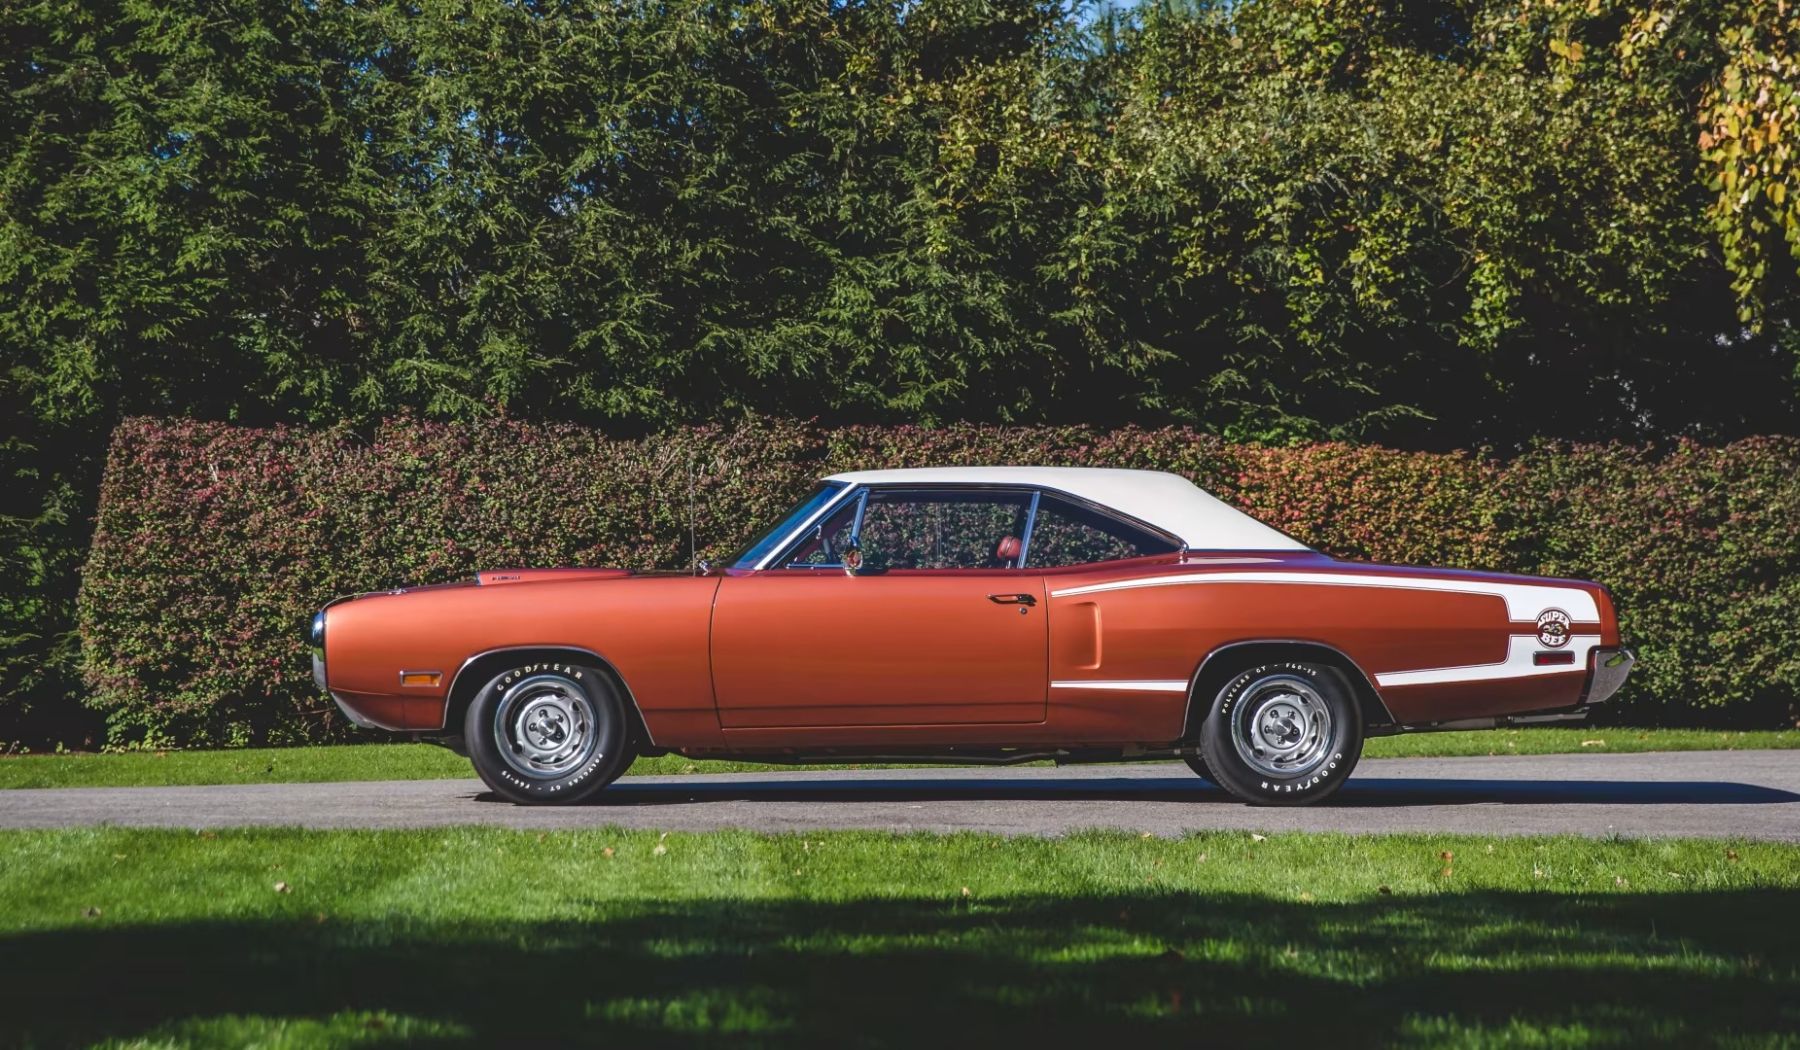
(1610, 669)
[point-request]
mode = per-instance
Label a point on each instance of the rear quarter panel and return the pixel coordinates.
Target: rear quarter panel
(1153, 625)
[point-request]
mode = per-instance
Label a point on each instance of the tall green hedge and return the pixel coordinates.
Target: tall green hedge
(214, 543)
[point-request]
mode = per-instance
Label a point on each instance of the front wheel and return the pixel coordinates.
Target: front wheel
(548, 732)
(1282, 734)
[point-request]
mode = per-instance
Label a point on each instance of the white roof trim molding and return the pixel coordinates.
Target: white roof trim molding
(1168, 501)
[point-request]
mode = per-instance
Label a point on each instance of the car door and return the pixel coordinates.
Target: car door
(939, 628)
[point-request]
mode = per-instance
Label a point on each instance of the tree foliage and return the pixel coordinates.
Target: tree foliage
(1751, 111)
(1432, 223)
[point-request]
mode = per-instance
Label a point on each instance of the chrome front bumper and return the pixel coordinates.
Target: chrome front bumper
(315, 637)
(355, 719)
(1611, 668)
(319, 680)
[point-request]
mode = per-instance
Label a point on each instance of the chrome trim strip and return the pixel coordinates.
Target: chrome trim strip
(1150, 685)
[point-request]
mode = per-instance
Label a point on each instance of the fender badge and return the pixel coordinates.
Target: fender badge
(1553, 628)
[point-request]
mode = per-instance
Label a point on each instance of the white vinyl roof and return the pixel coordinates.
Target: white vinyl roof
(1168, 501)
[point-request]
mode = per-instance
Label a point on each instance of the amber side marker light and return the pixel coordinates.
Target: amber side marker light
(1548, 659)
(425, 678)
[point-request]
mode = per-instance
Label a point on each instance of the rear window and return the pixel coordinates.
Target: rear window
(1066, 533)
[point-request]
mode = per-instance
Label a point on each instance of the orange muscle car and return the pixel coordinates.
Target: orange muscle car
(978, 614)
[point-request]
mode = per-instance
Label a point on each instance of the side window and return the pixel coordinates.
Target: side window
(1065, 533)
(824, 547)
(923, 529)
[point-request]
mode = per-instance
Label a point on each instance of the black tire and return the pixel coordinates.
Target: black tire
(1198, 765)
(1307, 741)
(512, 726)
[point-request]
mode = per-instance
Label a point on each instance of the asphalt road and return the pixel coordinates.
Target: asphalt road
(1719, 794)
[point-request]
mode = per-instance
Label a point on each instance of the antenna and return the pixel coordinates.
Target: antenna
(693, 541)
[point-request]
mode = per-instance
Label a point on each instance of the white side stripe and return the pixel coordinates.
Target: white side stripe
(1171, 685)
(1518, 664)
(1523, 600)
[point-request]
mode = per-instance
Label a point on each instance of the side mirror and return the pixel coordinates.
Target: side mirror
(852, 558)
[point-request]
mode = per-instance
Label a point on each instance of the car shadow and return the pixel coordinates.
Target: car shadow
(1378, 792)
(1085, 966)
(1371, 792)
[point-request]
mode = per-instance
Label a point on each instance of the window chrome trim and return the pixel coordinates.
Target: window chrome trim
(860, 491)
(780, 550)
(862, 509)
(1030, 524)
(1104, 511)
(862, 503)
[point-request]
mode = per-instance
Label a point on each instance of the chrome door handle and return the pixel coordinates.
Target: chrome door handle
(1012, 599)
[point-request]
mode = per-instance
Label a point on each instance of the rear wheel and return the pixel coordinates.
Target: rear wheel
(1198, 765)
(1282, 734)
(548, 732)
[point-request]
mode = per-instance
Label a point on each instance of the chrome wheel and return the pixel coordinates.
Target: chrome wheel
(544, 726)
(1281, 726)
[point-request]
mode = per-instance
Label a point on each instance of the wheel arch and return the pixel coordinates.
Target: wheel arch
(1218, 666)
(479, 669)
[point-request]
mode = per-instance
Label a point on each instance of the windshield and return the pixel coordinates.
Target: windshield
(756, 552)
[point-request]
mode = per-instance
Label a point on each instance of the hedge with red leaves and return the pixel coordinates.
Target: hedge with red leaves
(215, 543)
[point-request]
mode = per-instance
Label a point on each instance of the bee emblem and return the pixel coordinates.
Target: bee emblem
(1553, 628)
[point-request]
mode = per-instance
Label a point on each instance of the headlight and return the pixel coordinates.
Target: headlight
(318, 632)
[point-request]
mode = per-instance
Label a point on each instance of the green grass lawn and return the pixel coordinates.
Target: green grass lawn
(1587, 740)
(427, 762)
(480, 936)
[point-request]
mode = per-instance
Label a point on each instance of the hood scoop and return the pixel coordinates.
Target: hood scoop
(494, 577)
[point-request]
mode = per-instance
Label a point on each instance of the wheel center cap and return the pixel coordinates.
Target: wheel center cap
(546, 728)
(1280, 726)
